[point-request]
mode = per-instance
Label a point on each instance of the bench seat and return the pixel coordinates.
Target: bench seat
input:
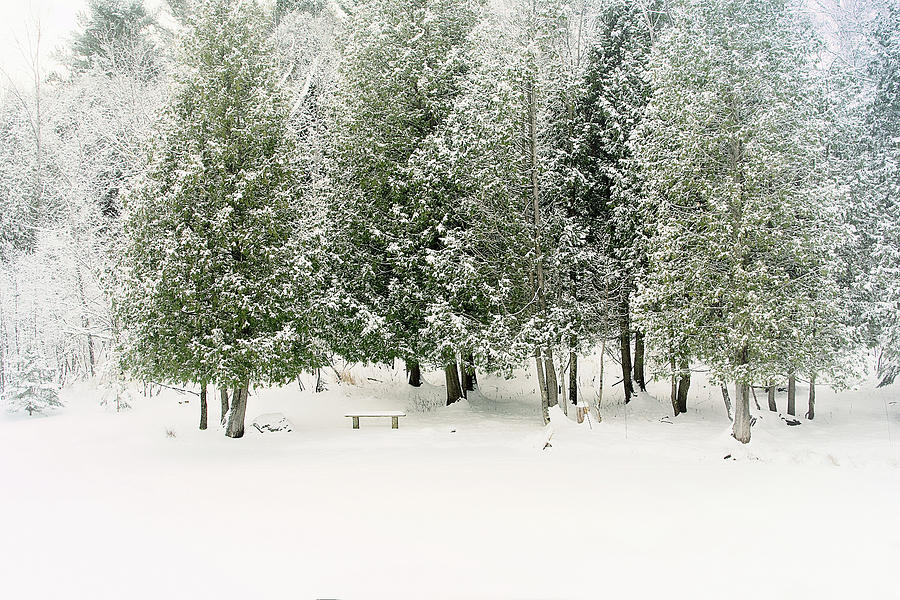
(393, 414)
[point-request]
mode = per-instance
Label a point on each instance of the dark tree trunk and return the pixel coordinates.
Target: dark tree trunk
(552, 381)
(742, 409)
(223, 394)
(454, 389)
(674, 387)
(684, 384)
(415, 373)
(727, 400)
(203, 406)
(792, 394)
(573, 377)
(639, 361)
(235, 427)
(468, 374)
(625, 351)
(771, 392)
(811, 413)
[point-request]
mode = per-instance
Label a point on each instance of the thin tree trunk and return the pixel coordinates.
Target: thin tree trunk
(727, 400)
(792, 394)
(552, 381)
(771, 392)
(755, 401)
(742, 409)
(625, 350)
(639, 361)
(235, 427)
(415, 373)
(674, 393)
(542, 385)
(223, 395)
(454, 389)
(573, 377)
(600, 386)
(684, 384)
(203, 406)
(85, 321)
(811, 413)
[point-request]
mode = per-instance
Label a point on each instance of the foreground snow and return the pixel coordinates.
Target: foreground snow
(460, 502)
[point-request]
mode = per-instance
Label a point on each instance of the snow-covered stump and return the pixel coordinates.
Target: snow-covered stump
(272, 423)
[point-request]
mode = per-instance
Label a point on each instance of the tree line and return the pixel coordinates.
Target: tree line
(231, 194)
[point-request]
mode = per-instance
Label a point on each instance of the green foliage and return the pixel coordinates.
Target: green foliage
(216, 270)
(733, 152)
(400, 78)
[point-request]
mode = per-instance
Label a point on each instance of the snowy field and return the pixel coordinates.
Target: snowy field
(459, 502)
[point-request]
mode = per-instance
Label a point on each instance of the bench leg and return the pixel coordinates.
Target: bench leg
(355, 422)
(395, 422)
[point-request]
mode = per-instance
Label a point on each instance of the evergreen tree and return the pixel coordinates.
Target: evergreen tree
(399, 81)
(731, 152)
(606, 199)
(32, 385)
(881, 184)
(116, 35)
(506, 259)
(217, 277)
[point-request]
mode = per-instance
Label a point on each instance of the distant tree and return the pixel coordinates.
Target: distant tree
(116, 35)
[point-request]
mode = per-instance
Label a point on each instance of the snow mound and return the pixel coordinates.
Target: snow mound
(272, 422)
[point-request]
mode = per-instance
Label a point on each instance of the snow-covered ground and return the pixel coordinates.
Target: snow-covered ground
(459, 502)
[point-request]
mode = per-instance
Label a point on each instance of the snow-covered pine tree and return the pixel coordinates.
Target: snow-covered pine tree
(605, 198)
(115, 36)
(508, 250)
(731, 152)
(32, 385)
(882, 184)
(216, 273)
(399, 81)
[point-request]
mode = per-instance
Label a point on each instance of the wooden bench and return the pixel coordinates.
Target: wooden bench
(393, 414)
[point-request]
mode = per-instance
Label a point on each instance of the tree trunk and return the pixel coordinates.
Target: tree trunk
(542, 385)
(742, 409)
(203, 407)
(552, 381)
(573, 377)
(223, 394)
(674, 393)
(639, 361)
(684, 384)
(414, 373)
(625, 348)
(600, 387)
(727, 400)
(771, 392)
(792, 394)
(235, 427)
(468, 374)
(454, 389)
(85, 321)
(811, 413)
